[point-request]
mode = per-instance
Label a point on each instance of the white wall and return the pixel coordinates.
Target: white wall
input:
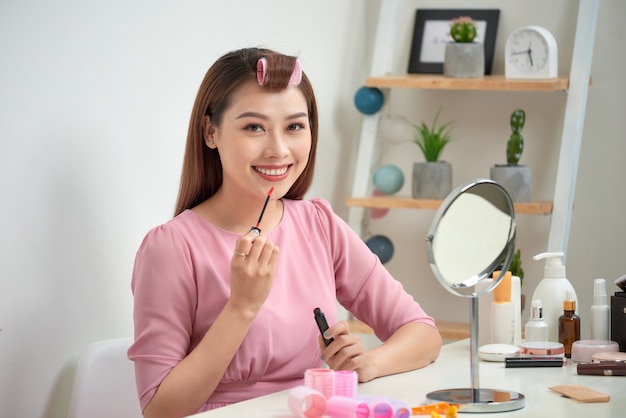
(94, 103)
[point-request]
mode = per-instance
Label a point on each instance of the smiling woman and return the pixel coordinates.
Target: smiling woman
(223, 310)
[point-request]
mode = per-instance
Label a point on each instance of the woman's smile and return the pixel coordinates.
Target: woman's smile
(273, 173)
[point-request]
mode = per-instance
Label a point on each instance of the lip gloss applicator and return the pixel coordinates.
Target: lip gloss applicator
(267, 199)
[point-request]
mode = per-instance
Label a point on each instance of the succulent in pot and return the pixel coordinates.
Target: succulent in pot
(432, 179)
(463, 29)
(515, 178)
(515, 144)
(464, 58)
(432, 139)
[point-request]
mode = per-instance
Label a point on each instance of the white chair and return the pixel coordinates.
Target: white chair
(104, 384)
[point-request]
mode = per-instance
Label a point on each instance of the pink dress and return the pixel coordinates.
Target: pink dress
(181, 282)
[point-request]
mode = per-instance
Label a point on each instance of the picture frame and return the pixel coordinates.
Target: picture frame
(431, 32)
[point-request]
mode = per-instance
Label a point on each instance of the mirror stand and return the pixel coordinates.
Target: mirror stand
(475, 399)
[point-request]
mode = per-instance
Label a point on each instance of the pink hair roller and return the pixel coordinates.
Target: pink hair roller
(305, 402)
(261, 70)
(400, 409)
(342, 407)
(346, 382)
(322, 380)
(381, 408)
(296, 75)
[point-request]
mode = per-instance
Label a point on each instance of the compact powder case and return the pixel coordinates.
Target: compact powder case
(542, 348)
(609, 356)
(497, 352)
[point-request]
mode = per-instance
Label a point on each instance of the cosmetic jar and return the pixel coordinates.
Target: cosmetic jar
(542, 348)
(582, 350)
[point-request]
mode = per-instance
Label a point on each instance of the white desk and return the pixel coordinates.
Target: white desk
(452, 370)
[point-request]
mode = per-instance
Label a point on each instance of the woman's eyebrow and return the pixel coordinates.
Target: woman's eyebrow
(265, 117)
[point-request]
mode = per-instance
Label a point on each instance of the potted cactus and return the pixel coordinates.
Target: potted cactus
(464, 58)
(432, 179)
(515, 178)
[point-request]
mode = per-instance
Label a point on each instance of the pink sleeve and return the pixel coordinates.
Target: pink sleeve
(364, 286)
(165, 296)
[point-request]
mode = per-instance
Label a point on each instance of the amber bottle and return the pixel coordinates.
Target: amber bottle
(569, 325)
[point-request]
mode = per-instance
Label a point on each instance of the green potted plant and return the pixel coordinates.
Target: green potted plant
(464, 58)
(432, 179)
(515, 178)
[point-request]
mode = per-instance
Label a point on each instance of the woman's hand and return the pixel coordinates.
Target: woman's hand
(412, 346)
(347, 352)
(252, 270)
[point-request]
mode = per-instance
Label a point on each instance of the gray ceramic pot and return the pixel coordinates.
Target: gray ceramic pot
(431, 180)
(516, 180)
(464, 60)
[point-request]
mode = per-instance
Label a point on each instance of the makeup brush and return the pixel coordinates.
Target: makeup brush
(267, 199)
(621, 283)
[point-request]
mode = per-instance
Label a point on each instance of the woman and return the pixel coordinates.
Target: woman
(224, 298)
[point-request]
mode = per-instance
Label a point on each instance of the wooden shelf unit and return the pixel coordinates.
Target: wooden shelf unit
(388, 202)
(574, 85)
(488, 82)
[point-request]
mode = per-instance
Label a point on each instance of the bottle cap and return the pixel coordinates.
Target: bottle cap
(569, 304)
(599, 292)
(502, 292)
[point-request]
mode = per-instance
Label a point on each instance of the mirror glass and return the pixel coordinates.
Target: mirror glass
(472, 234)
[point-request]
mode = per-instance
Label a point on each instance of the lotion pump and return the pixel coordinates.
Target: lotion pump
(552, 290)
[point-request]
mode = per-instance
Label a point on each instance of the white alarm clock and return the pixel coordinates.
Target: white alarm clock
(530, 52)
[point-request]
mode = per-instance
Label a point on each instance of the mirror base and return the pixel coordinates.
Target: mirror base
(483, 400)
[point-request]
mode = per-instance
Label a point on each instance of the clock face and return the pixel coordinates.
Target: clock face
(529, 51)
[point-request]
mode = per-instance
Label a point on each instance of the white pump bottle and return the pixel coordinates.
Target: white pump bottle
(552, 290)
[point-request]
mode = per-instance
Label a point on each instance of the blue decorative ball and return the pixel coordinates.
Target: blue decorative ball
(368, 100)
(381, 246)
(388, 179)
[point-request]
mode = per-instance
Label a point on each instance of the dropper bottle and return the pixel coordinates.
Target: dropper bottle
(536, 328)
(569, 325)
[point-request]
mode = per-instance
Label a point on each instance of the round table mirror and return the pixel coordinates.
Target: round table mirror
(472, 234)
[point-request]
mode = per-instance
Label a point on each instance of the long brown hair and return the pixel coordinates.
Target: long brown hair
(202, 168)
